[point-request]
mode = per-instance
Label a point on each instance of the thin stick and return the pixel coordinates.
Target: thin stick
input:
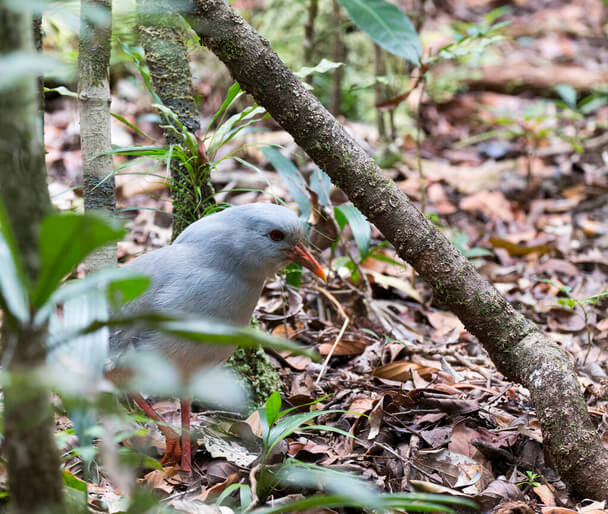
(336, 303)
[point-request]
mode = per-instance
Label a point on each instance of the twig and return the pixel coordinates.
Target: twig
(336, 303)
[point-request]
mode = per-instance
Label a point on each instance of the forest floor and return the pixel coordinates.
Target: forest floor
(525, 205)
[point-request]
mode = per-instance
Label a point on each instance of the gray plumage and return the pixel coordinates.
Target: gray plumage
(215, 269)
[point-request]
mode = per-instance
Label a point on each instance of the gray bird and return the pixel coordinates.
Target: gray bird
(215, 269)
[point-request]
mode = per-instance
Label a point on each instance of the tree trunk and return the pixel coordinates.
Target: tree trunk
(163, 39)
(94, 102)
(309, 35)
(33, 462)
(518, 348)
(339, 55)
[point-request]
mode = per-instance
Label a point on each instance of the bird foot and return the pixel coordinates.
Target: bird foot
(178, 450)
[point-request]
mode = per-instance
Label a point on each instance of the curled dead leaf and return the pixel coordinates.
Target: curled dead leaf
(402, 371)
(344, 347)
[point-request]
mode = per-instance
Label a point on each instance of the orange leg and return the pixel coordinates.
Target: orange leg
(173, 452)
(186, 461)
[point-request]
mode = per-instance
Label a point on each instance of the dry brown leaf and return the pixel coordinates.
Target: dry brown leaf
(397, 283)
(158, 479)
(437, 198)
(344, 347)
(443, 322)
(218, 489)
(254, 422)
(517, 250)
(360, 405)
(545, 494)
(492, 204)
(402, 371)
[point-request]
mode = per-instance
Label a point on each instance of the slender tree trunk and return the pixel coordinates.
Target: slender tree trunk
(32, 460)
(339, 55)
(94, 102)
(380, 91)
(520, 350)
(163, 39)
(309, 35)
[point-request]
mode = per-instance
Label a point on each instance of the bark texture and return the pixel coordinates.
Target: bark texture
(94, 102)
(162, 36)
(32, 460)
(517, 347)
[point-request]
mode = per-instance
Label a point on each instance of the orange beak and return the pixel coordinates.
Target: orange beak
(301, 255)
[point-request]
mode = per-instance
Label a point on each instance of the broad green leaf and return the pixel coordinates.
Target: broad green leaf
(320, 183)
(592, 103)
(198, 330)
(273, 406)
(75, 492)
(293, 274)
(133, 459)
(324, 66)
(18, 65)
(244, 493)
(387, 25)
(114, 281)
(289, 425)
(65, 240)
(567, 94)
(360, 227)
(13, 288)
(292, 178)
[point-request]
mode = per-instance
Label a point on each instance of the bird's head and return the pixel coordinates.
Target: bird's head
(259, 237)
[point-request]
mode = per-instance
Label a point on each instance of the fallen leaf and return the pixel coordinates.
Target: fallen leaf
(344, 347)
(402, 371)
(492, 204)
(396, 283)
(545, 494)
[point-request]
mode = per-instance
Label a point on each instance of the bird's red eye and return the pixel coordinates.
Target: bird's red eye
(277, 235)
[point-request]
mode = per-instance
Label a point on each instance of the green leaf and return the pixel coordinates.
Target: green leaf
(62, 90)
(273, 406)
(293, 274)
(320, 183)
(65, 240)
(292, 178)
(114, 281)
(13, 283)
(567, 94)
(126, 122)
(324, 66)
(291, 424)
(76, 493)
(198, 330)
(133, 458)
(244, 493)
(387, 25)
(362, 231)
(233, 93)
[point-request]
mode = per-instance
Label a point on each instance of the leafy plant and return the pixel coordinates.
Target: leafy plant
(276, 425)
(582, 303)
(339, 489)
(195, 153)
(531, 480)
(461, 241)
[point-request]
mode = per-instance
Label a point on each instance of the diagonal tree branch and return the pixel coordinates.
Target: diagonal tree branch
(518, 347)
